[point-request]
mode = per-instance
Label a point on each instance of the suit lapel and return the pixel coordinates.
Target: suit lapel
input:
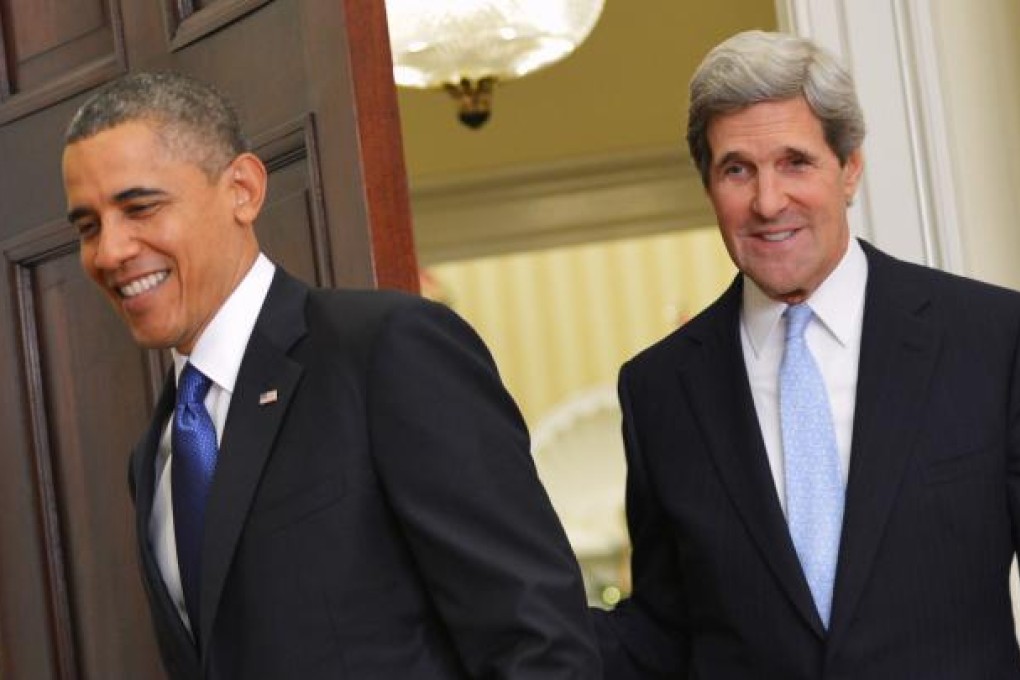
(899, 347)
(249, 434)
(143, 461)
(143, 478)
(739, 451)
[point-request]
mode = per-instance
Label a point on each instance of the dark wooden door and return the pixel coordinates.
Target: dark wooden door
(313, 84)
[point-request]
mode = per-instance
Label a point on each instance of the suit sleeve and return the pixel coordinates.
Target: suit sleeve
(453, 455)
(645, 636)
(1013, 448)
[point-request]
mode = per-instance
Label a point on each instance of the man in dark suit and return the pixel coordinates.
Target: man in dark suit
(824, 465)
(344, 487)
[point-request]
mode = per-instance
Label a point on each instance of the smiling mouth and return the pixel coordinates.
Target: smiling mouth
(776, 237)
(142, 285)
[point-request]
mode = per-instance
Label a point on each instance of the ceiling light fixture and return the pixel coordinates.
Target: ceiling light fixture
(467, 46)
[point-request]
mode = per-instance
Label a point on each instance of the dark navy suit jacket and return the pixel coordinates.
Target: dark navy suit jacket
(381, 519)
(932, 503)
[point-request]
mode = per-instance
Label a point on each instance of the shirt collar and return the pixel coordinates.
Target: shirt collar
(836, 303)
(220, 348)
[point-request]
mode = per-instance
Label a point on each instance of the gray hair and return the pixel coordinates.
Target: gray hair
(193, 119)
(755, 66)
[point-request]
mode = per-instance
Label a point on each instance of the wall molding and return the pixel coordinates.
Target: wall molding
(75, 78)
(906, 202)
(929, 122)
(561, 203)
(186, 25)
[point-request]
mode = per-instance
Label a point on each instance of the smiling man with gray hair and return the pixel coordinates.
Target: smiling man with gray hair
(824, 465)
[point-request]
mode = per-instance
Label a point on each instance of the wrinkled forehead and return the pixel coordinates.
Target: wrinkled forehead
(132, 140)
(141, 145)
(783, 123)
(122, 161)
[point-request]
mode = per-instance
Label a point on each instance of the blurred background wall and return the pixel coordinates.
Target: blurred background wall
(572, 231)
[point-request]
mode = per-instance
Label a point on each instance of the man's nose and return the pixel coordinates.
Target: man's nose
(770, 197)
(115, 245)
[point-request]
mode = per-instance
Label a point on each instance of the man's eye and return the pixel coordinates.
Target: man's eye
(141, 209)
(86, 228)
(797, 162)
(734, 170)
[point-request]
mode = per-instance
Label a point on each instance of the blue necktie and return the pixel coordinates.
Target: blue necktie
(193, 463)
(814, 485)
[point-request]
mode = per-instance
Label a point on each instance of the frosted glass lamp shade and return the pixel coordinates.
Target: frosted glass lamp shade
(466, 46)
(437, 42)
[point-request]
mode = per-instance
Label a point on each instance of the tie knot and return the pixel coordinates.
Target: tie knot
(193, 385)
(797, 318)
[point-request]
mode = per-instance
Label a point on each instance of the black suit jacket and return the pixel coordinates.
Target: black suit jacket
(381, 519)
(932, 503)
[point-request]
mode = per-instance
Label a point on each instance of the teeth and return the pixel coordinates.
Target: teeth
(143, 284)
(780, 236)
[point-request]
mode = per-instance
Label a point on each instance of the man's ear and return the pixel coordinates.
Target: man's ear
(247, 178)
(852, 171)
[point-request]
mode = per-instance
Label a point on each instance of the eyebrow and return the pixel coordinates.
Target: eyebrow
(729, 158)
(732, 156)
(136, 192)
(125, 196)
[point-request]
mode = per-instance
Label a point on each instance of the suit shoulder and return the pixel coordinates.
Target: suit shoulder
(662, 350)
(891, 271)
(959, 296)
(366, 306)
(359, 316)
(677, 347)
(967, 290)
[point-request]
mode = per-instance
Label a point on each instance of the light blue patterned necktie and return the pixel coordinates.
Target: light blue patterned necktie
(814, 485)
(193, 464)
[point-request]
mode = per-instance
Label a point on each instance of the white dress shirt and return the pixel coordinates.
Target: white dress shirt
(217, 354)
(834, 338)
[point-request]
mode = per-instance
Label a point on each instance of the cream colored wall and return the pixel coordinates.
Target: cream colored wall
(625, 88)
(980, 59)
(588, 152)
(561, 321)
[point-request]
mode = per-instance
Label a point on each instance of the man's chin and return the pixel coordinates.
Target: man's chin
(789, 294)
(149, 340)
(793, 297)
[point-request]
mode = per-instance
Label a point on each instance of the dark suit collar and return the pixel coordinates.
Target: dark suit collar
(717, 385)
(899, 348)
(143, 460)
(265, 386)
(143, 479)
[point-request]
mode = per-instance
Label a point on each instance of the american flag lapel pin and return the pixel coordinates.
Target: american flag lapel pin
(268, 397)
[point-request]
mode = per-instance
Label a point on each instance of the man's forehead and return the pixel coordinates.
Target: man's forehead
(141, 126)
(121, 145)
(776, 125)
(737, 152)
(132, 148)
(112, 168)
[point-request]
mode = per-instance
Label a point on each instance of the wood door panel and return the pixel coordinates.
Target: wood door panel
(286, 231)
(54, 49)
(292, 226)
(93, 426)
(42, 25)
(266, 85)
(28, 648)
(75, 393)
(191, 20)
(91, 401)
